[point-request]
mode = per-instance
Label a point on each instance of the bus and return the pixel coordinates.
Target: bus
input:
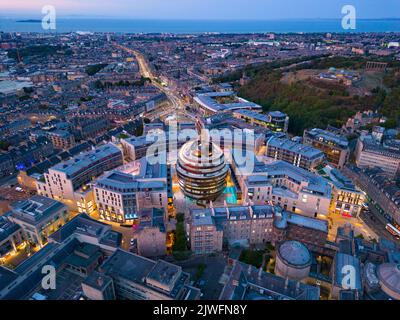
(393, 230)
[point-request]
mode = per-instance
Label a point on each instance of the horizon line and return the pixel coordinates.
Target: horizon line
(77, 16)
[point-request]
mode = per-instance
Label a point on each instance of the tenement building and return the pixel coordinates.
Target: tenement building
(382, 192)
(209, 229)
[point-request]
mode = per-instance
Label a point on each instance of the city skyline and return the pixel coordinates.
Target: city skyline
(149, 154)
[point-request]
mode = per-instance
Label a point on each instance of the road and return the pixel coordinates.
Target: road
(177, 103)
(376, 222)
(146, 71)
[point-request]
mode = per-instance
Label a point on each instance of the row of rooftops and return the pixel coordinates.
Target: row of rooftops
(86, 160)
(246, 282)
(379, 178)
(215, 216)
(328, 137)
(26, 148)
(207, 100)
(160, 275)
(43, 166)
(7, 228)
(272, 115)
(389, 148)
(282, 169)
(36, 209)
(295, 147)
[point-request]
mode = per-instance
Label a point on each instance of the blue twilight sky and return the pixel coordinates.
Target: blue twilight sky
(203, 9)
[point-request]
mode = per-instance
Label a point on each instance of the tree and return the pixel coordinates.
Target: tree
(4, 145)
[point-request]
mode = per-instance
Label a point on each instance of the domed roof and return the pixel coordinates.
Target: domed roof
(201, 155)
(295, 253)
(389, 277)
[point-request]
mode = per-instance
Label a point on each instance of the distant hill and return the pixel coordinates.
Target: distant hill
(29, 21)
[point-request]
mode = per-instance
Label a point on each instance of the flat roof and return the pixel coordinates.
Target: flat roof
(208, 101)
(328, 136)
(261, 117)
(36, 208)
(7, 228)
(164, 273)
(83, 224)
(85, 160)
(128, 265)
(145, 177)
(308, 222)
(281, 168)
(299, 148)
(343, 260)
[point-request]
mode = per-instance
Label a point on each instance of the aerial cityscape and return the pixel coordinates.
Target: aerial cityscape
(180, 160)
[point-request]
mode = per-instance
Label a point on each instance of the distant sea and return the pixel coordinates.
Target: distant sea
(199, 26)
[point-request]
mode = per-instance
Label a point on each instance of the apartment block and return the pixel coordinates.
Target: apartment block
(334, 146)
(69, 181)
(121, 194)
(297, 154)
(39, 217)
(283, 184)
(370, 153)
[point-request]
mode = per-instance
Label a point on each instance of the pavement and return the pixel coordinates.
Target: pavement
(376, 222)
(360, 227)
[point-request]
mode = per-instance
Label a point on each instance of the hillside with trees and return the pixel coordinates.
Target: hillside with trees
(309, 106)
